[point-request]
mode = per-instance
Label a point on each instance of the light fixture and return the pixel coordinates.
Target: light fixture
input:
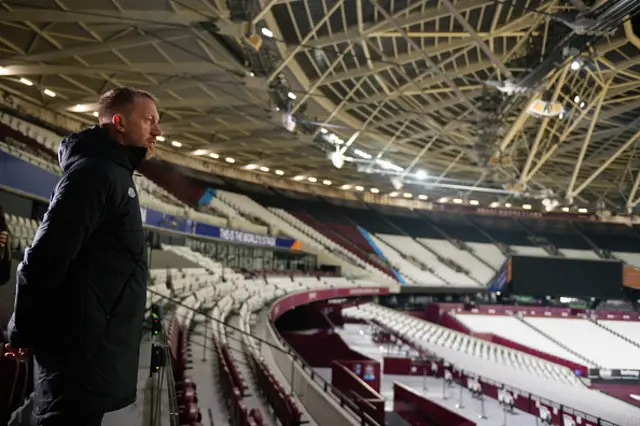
(421, 174)
(312, 179)
(374, 190)
(251, 166)
(292, 96)
(423, 197)
(362, 154)
(326, 182)
(359, 188)
(507, 205)
(575, 65)
(582, 210)
(230, 160)
(443, 200)
(26, 82)
(267, 32)
(407, 195)
(576, 99)
(298, 178)
(494, 204)
(213, 155)
(176, 144)
(565, 209)
(337, 159)
(345, 187)
(474, 202)
(323, 130)
(95, 114)
(393, 194)
(457, 200)
(264, 169)
(200, 152)
(583, 104)
(526, 206)
(50, 93)
(279, 172)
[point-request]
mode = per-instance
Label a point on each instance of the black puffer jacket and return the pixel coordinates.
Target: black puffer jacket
(81, 289)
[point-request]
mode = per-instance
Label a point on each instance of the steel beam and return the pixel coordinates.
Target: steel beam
(543, 126)
(585, 145)
(109, 16)
(304, 41)
(193, 68)
(92, 48)
(563, 136)
(606, 164)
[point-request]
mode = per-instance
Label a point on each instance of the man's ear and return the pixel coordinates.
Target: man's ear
(118, 122)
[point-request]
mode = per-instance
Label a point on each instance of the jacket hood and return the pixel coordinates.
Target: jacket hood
(96, 142)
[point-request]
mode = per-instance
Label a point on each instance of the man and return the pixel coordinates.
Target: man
(81, 288)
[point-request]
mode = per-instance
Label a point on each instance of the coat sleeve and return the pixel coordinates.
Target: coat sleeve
(78, 206)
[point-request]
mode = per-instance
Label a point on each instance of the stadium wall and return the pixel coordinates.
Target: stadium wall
(323, 403)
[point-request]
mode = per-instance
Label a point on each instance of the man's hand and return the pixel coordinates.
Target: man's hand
(3, 239)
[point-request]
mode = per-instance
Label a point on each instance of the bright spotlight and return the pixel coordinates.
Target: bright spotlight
(291, 95)
(526, 206)
(421, 174)
(267, 32)
(337, 159)
(575, 65)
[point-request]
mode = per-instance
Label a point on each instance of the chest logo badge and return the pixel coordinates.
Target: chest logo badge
(132, 192)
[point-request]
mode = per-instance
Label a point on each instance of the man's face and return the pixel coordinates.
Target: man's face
(141, 127)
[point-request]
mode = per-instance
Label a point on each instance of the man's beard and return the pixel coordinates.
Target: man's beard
(151, 152)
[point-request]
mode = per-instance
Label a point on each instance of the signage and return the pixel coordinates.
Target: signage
(614, 374)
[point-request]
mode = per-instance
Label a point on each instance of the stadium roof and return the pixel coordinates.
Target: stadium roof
(488, 100)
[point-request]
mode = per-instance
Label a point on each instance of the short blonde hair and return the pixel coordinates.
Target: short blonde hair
(120, 100)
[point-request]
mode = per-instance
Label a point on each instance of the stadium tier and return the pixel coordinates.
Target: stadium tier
(419, 247)
(226, 310)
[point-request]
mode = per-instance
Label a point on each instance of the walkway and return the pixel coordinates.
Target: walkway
(204, 374)
(252, 398)
(260, 330)
(432, 388)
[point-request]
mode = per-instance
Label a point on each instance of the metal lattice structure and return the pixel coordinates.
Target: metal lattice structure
(488, 100)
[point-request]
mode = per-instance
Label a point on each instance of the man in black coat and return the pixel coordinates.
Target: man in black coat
(81, 288)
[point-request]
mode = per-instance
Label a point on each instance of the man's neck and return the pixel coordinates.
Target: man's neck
(115, 135)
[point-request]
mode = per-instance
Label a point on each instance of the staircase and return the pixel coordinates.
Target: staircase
(557, 342)
(615, 333)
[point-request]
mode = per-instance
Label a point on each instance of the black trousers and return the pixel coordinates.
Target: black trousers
(67, 420)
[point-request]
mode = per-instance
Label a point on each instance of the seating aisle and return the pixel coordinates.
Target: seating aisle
(210, 399)
(252, 394)
(260, 330)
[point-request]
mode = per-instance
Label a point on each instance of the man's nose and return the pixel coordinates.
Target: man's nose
(156, 131)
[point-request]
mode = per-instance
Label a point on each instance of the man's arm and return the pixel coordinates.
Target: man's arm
(76, 209)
